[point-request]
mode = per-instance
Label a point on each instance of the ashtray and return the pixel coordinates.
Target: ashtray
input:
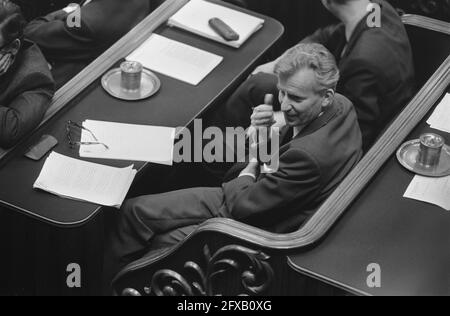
(408, 156)
(150, 84)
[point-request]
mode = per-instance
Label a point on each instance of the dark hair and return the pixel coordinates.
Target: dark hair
(12, 22)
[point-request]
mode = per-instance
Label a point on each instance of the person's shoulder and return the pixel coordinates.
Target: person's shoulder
(342, 103)
(33, 61)
(33, 69)
(110, 19)
(377, 49)
(379, 40)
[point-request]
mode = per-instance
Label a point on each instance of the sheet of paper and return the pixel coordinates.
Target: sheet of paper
(195, 15)
(440, 119)
(129, 142)
(85, 181)
(175, 59)
(431, 190)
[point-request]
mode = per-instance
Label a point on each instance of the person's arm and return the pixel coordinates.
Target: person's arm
(324, 35)
(26, 110)
(262, 201)
(59, 41)
(360, 85)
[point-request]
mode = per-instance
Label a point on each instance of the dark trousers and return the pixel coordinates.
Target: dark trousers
(162, 220)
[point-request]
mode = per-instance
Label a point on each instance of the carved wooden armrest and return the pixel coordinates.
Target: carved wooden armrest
(209, 262)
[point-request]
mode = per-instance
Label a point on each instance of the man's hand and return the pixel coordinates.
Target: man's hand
(268, 68)
(262, 118)
(253, 168)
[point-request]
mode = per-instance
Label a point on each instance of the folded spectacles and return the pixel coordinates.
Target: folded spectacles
(74, 130)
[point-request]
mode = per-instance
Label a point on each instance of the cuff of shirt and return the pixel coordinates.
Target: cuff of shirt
(247, 174)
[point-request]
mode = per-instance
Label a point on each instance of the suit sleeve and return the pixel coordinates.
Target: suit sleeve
(323, 36)
(26, 110)
(58, 41)
(297, 180)
(361, 88)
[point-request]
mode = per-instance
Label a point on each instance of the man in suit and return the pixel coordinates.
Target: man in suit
(26, 85)
(319, 146)
(375, 61)
(70, 45)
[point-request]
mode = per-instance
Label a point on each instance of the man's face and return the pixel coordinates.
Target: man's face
(300, 101)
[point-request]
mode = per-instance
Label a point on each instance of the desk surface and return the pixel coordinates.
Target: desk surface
(408, 239)
(175, 105)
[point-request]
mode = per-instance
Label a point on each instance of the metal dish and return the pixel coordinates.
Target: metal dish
(408, 155)
(150, 84)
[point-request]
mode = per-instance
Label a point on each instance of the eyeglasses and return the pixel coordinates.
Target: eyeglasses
(74, 129)
(11, 47)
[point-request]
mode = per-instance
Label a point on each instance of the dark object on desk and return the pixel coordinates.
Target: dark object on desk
(223, 29)
(45, 144)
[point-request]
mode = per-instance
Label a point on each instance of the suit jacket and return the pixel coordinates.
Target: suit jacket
(377, 70)
(25, 94)
(70, 49)
(311, 166)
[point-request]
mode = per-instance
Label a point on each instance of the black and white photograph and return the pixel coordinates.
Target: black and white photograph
(225, 153)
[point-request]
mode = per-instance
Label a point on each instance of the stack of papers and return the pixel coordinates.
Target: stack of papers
(431, 190)
(85, 181)
(128, 142)
(440, 119)
(195, 15)
(176, 60)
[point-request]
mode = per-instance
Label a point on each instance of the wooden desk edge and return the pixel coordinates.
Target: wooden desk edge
(326, 280)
